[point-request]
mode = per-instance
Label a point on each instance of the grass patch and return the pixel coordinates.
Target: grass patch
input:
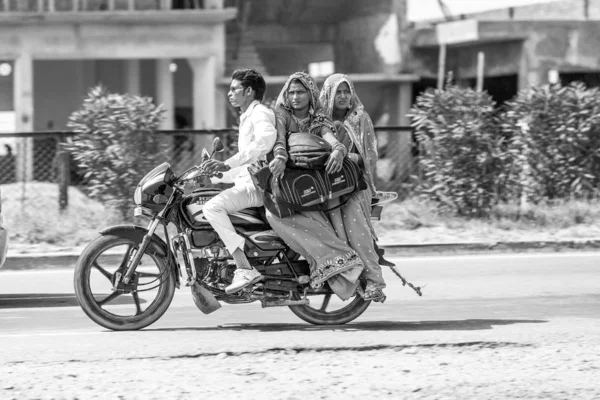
(414, 220)
(32, 215)
(558, 215)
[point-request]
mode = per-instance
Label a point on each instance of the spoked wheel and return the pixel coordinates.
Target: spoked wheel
(134, 306)
(328, 309)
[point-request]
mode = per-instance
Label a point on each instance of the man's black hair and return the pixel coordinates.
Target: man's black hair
(251, 78)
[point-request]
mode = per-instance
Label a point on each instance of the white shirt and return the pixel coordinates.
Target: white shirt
(257, 135)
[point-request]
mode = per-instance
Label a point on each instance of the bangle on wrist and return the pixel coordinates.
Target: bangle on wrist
(341, 148)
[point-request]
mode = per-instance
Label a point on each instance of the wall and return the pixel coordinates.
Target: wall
(287, 60)
(372, 38)
(58, 90)
(60, 86)
(500, 59)
(551, 10)
(566, 46)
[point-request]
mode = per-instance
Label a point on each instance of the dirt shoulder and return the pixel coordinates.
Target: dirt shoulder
(388, 237)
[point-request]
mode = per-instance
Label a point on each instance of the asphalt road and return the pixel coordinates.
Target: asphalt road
(488, 326)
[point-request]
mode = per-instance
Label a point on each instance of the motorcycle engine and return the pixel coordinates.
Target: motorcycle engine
(214, 266)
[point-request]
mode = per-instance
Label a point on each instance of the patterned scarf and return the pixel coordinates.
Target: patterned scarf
(317, 118)
(357, 122)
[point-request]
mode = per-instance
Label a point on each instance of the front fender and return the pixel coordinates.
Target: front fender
(157, 245)
(137, 233)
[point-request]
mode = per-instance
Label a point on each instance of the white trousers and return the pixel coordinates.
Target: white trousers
(217, 210)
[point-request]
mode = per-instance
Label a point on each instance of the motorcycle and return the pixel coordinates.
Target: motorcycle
(111, 285)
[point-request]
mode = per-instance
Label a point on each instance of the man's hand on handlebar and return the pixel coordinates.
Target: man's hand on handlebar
(214, 166)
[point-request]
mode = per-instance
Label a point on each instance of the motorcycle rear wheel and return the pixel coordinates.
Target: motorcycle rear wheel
(95, 305)
(323, 316)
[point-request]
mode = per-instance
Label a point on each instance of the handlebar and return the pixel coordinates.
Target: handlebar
(195, 173)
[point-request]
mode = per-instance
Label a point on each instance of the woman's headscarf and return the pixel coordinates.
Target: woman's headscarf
(357, 122)
(318, 119)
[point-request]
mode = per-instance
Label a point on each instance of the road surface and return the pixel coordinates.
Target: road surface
(488, 327)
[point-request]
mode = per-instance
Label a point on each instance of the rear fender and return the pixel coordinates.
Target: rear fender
(137, 233)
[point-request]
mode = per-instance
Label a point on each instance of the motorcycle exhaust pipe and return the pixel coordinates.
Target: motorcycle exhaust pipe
(204, 299)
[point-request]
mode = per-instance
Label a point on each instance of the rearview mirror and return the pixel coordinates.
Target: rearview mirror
(218, 145)
(205, 155)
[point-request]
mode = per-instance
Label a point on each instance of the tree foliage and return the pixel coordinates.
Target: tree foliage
(461, 152)
(555, 134)
(115, 144)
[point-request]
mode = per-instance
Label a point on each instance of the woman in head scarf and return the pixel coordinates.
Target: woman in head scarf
(352, 221)
(310, 233)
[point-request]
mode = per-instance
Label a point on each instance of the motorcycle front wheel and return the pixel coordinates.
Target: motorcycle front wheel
(135, 306)
(330, 310)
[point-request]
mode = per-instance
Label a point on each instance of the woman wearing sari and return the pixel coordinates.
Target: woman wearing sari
(333, 256)
(352, 221)
(310, 233)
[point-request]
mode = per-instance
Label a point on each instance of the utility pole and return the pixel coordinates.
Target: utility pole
(443, 50)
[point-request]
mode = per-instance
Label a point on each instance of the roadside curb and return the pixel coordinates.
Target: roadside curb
(19, 262)
(67, 260)
(538, 246)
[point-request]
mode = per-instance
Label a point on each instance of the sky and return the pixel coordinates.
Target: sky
(419, 10)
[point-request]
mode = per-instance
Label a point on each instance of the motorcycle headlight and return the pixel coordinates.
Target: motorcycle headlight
(137, 196)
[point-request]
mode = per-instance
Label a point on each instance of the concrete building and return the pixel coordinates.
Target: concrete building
(52, 52)
(181, 53)
(528, 45)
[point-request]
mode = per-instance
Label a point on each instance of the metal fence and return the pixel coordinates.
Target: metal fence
(107, 5)
(33, 164)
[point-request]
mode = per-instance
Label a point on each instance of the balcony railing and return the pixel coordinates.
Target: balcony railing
(46, 6)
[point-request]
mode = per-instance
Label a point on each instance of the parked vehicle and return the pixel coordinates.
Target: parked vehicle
(111, 285)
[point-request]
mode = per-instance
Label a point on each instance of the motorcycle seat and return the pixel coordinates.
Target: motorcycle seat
(251, 215)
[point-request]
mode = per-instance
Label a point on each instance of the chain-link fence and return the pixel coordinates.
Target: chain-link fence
(36, 175)
(108, 5)
(397, 159)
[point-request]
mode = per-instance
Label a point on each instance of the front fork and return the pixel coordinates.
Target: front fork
(181, 243)
(140, 251)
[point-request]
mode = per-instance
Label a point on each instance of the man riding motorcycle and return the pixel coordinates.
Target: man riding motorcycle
(257, 135)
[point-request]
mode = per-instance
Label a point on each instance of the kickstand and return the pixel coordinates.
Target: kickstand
(417, 289)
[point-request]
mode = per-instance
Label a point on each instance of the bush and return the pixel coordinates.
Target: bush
(462, 152)
(114, 144)
(555, 142)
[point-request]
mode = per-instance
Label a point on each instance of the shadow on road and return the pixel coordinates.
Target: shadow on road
(455, 325)
(32, 300)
